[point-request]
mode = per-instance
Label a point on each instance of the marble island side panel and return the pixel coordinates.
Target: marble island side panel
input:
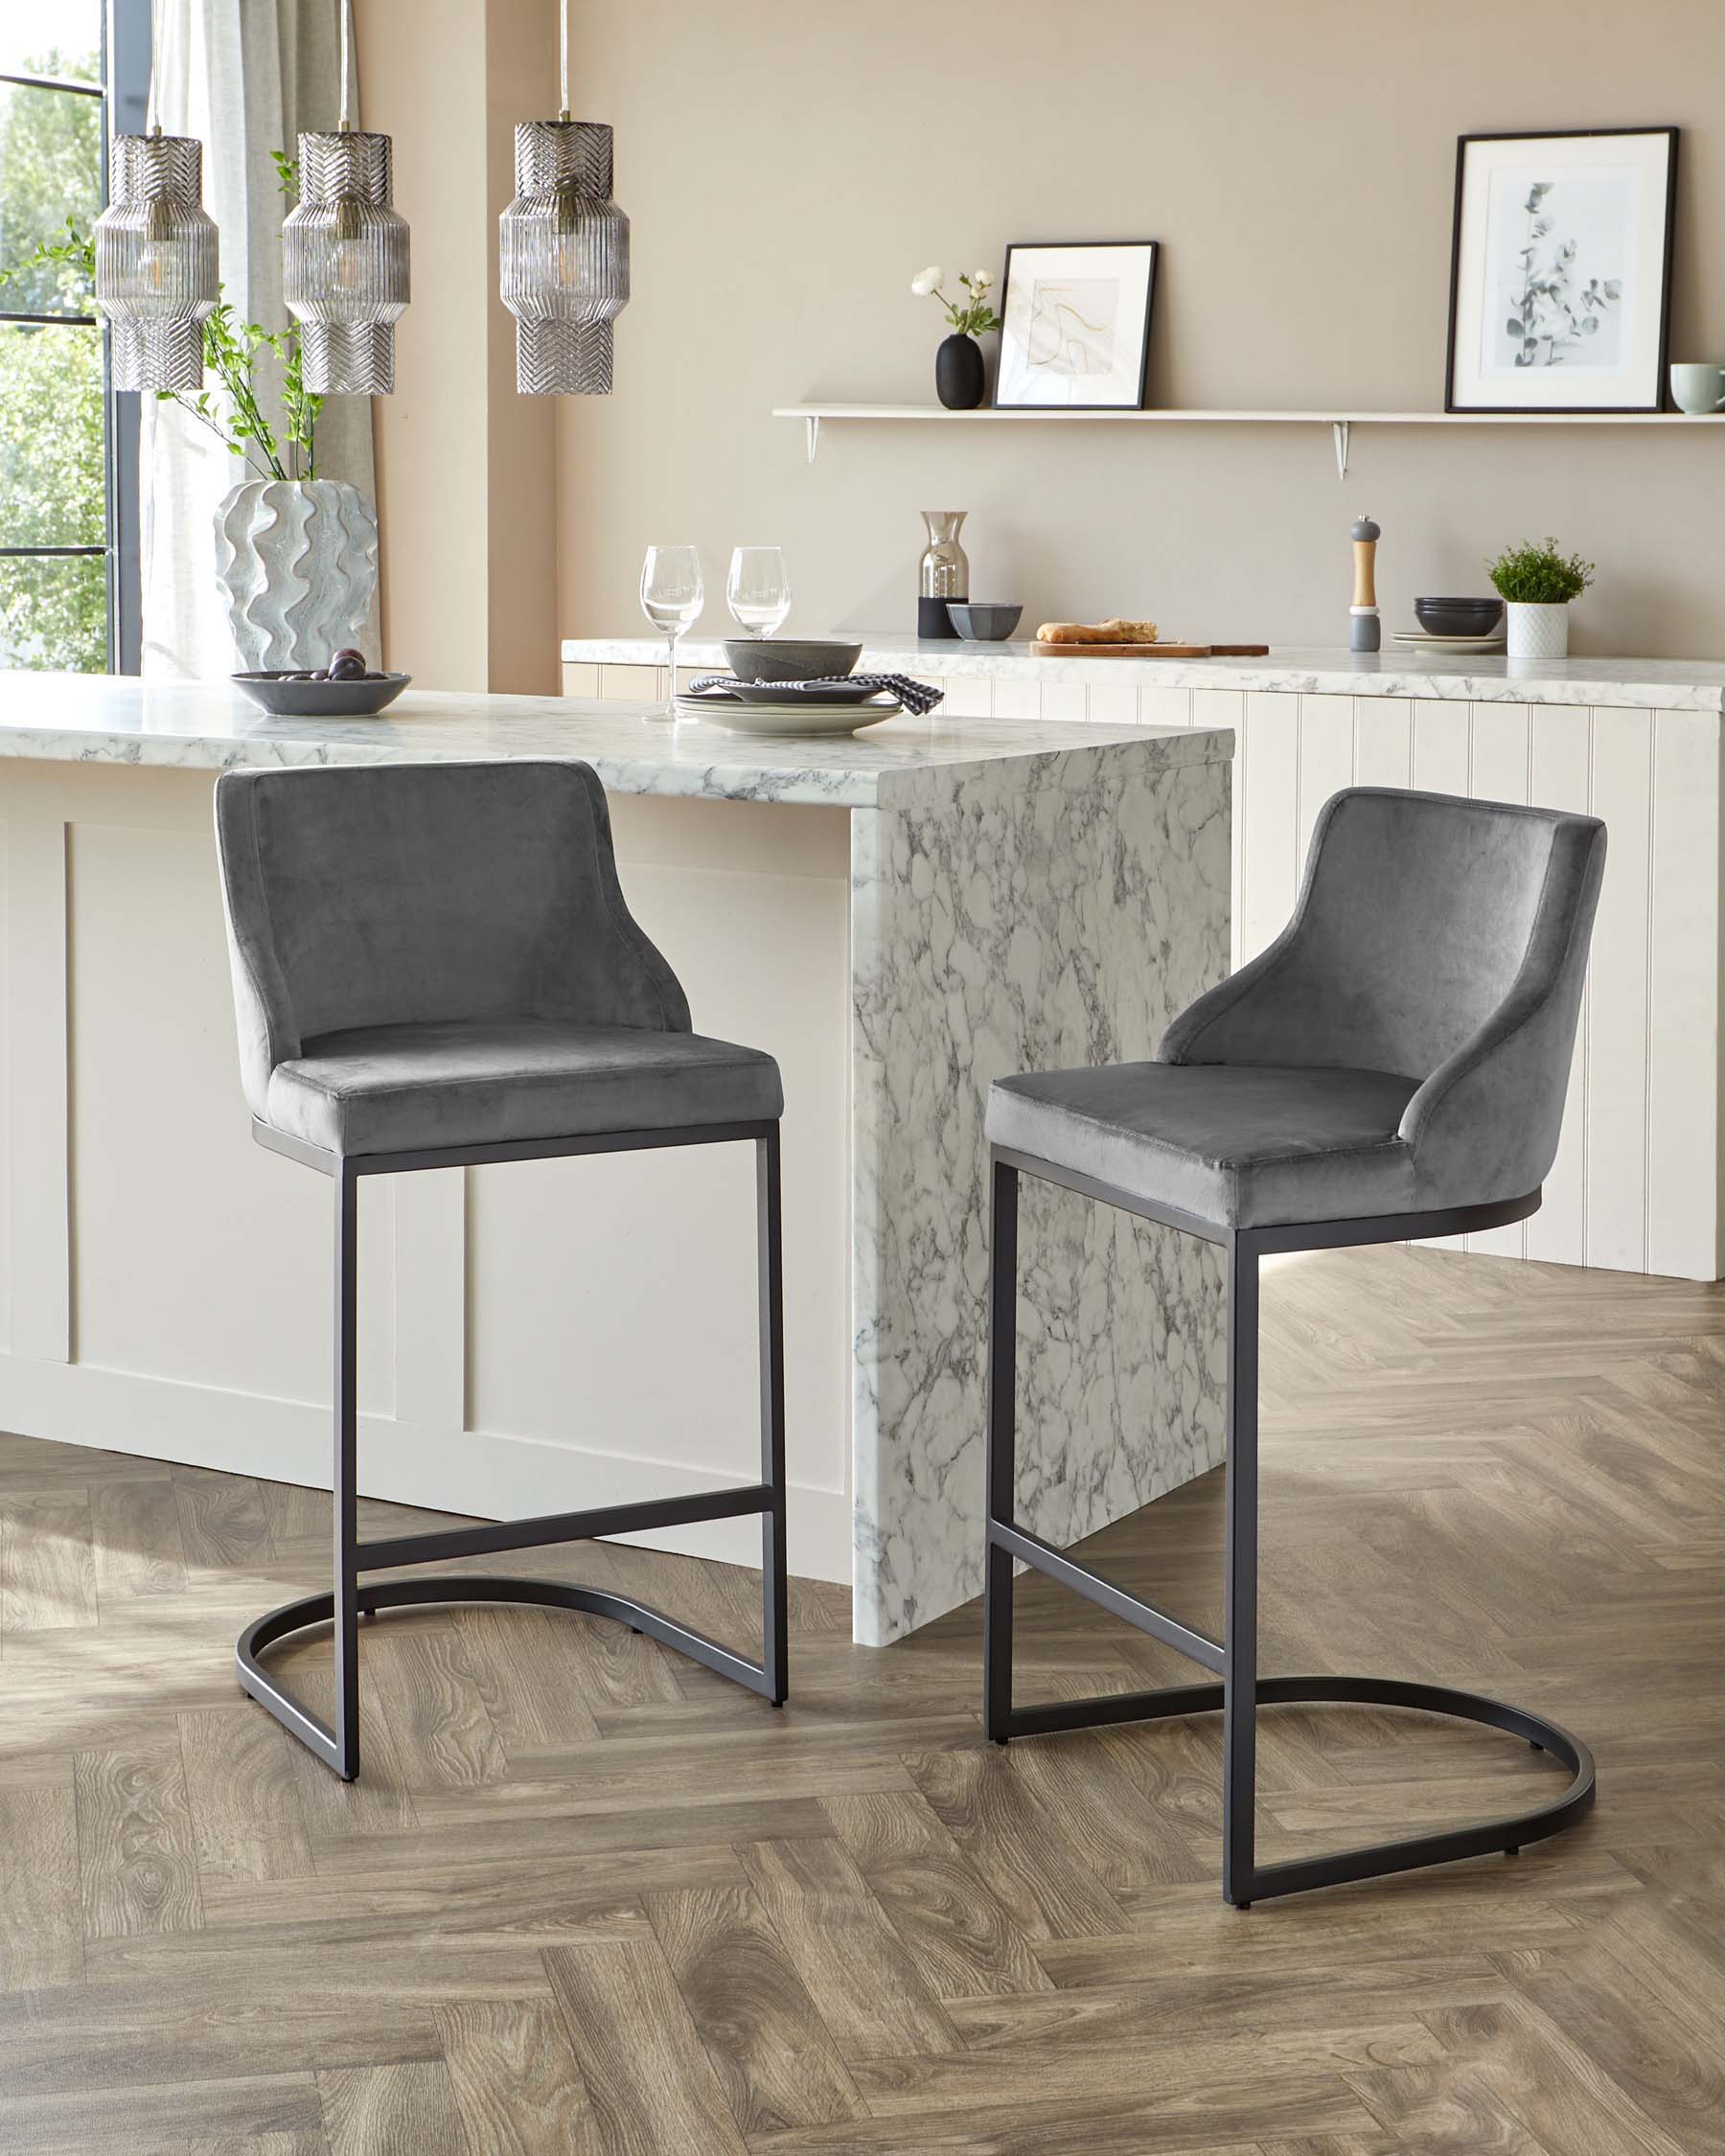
(1002, 920)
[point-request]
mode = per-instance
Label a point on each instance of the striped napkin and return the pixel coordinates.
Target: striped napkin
(916, 695)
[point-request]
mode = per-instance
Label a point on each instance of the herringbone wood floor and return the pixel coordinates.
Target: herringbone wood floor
(586, 1897)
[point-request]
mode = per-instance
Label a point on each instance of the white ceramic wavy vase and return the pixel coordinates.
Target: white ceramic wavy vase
(298, 559)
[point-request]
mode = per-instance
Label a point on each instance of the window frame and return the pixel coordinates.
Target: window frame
(123, 89)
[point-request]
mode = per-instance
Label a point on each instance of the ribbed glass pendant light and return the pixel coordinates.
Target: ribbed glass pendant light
(155, 255)
(344, 254)
(565, 252)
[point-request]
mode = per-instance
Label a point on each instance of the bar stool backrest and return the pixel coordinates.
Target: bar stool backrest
(418, 894)
(1441, 940)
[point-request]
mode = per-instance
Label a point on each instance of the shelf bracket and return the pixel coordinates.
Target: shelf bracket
(811, 433)
(1338, 427)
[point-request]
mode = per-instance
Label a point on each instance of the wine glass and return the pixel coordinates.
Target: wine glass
(672, 595)
(757, 589)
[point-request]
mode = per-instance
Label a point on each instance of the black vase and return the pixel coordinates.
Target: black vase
(958, 373)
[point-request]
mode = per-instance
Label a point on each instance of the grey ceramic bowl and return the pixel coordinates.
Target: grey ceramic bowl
(983, 621)
(1458, 617)
(322, 699)
(781, 658)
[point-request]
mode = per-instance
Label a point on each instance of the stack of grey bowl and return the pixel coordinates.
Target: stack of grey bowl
(1458, 617)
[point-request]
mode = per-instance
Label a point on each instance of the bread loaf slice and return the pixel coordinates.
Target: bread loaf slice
(1112, 631)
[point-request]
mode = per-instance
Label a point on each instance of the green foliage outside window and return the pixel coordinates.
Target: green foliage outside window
(53, 449)
(50, 174)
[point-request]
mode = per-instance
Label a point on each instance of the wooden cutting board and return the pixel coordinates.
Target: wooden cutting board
(1150, 650)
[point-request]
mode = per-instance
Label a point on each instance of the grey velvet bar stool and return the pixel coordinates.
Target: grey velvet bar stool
(434, 968)
(1395, 1065)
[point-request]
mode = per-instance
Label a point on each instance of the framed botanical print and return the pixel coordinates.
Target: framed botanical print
(1560, 271)
(1075, 326)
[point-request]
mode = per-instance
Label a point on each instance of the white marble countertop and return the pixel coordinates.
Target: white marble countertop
(1399, 671)
(117, 719)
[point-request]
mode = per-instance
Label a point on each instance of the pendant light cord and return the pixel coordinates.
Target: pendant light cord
(346, 68)
(564, 58)
(153, 123)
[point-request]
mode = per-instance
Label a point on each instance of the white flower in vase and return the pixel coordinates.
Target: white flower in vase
(926, 281)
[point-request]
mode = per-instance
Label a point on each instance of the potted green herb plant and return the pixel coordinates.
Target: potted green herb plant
(1537, 583)
(297, 555)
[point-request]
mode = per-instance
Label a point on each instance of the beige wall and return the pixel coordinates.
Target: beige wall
(465, 466)
(788, 164)
(521, 631)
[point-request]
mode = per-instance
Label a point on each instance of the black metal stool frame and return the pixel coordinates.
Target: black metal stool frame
(351, 1600)
(1233, 1658)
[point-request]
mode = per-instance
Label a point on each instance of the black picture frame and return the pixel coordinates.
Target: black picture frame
(1564, 134)
(1038, 246)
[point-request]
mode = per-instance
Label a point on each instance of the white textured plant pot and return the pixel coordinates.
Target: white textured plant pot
(298, 559)
(1537, 631)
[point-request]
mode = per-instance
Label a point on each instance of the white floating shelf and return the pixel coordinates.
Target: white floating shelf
(1340, 424)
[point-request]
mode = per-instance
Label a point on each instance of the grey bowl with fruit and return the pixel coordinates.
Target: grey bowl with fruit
(344, 689)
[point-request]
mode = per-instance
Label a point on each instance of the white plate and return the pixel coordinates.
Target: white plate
(1424, 636)
(790, 719)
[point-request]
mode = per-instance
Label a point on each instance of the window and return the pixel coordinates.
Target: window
(68, 444)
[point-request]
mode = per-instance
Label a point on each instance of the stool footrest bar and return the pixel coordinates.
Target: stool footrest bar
(1020, 1542)
(564, 1526)
(1101, 1709)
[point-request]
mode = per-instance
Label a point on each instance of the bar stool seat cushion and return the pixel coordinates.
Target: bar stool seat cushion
(1403, 1046)
(403, 1088)
(1240, 1145)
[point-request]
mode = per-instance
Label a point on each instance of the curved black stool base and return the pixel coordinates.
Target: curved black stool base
(352, 1602)
(315, 1609)
(1381, 1859)
(1232, 1659)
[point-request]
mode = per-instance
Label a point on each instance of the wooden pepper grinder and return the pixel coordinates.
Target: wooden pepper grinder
(1364, 630)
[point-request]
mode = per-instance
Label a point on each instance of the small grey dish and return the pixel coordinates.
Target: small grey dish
(983, 621)
(779, 658)
(283, 699)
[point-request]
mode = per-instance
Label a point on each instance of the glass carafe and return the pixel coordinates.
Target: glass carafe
(944, 573)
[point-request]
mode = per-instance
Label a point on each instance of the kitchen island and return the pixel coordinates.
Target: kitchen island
(1638, 1184)
(898, 918)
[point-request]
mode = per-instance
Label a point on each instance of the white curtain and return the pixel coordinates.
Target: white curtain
(244, 77)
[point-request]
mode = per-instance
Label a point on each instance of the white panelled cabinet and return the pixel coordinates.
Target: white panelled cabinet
(1637, 1181)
